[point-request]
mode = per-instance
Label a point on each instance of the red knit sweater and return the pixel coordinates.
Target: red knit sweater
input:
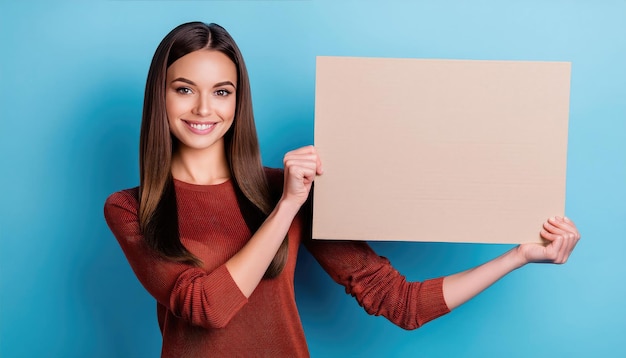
(202, 312)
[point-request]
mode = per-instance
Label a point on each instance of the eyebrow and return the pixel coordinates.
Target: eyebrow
(219, 84)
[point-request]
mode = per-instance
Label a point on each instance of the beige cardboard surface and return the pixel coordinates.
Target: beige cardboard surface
(439, 150)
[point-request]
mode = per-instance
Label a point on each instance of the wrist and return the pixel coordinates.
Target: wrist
(518, 257)
(287, 207)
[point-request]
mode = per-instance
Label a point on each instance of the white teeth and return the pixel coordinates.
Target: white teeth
(201, 126)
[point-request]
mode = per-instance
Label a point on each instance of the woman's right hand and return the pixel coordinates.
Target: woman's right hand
(301, 166)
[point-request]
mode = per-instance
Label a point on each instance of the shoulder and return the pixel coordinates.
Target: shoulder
(121, 213)
(125, 195)
(126, 200)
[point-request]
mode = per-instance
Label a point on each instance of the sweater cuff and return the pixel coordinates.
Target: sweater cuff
(230, 301)
(223, 282)
(431, 303)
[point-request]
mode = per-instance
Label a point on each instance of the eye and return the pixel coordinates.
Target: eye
(222, 93)
(184, 90)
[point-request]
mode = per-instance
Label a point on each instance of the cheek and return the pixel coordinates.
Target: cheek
(175, 109)
(227, 108)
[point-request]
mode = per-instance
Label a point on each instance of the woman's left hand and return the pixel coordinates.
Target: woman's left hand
(562, 236)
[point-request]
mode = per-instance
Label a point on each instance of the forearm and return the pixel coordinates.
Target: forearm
(248, 266)
(561, 236)
(460, 287)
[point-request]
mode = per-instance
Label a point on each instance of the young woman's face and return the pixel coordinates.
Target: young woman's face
(200, 98)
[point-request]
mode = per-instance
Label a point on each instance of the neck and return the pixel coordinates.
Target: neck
(200, 167)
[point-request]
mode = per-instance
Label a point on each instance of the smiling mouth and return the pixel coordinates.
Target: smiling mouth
(200, 126)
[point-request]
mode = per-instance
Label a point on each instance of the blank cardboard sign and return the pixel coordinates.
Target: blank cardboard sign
(439, 150)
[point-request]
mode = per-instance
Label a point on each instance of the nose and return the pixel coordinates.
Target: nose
(203, 105)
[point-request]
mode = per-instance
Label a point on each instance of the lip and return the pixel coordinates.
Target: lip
(200, 128)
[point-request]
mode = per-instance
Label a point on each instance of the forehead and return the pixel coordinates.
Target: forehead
(203, 65)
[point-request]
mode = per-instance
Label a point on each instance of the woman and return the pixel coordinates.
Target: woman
(213, 236)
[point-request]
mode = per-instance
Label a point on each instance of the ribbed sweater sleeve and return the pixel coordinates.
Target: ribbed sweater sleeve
(377, 286)
(204, 298)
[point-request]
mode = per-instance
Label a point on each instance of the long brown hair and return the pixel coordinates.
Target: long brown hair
(158, 218)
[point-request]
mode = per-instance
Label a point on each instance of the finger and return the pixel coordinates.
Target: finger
(309, 149)
(565, 225)
(557, 225)
(569, 221)
(561, 256)
(300, 170)
(570, 232)
(561, 223)
(548, 235)
(571, 225)
(309, 160)
(551, 227)
(292, 163)
(553, 250)
(571, 241)
(565, 251)
(303, 156)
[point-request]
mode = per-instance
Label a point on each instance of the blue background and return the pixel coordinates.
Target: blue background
(72, 77)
